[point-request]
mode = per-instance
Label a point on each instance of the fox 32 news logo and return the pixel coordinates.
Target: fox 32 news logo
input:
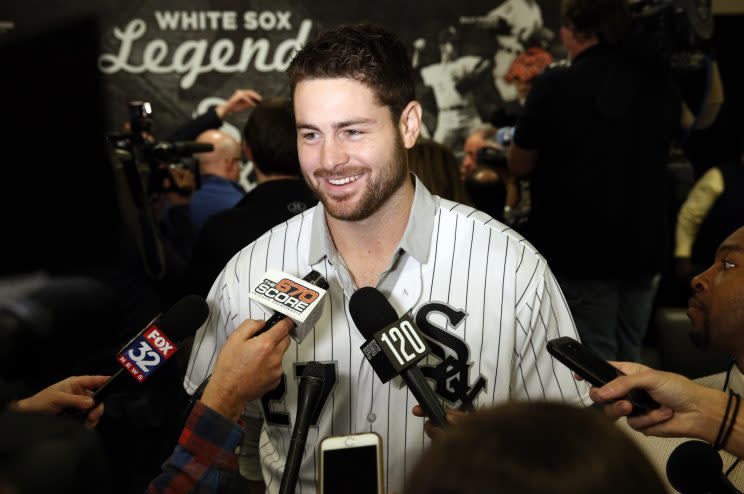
(290, 294)
(146, 353)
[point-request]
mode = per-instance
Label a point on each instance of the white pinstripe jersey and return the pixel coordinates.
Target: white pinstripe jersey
(481, 294)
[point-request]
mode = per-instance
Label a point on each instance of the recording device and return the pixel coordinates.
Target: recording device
(394, 346)
(491, 157)
(151, 348)
(351, 464)
(151, 159)
(695, 467)
(308, 399)
(596, 371)
(679, 29)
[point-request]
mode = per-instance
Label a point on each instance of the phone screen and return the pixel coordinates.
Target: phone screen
(350, 470)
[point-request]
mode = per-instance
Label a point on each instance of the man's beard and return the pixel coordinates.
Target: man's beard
(391, 176)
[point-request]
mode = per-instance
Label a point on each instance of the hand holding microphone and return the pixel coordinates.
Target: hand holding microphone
(247, 367)
(71, 393)
(286, 295)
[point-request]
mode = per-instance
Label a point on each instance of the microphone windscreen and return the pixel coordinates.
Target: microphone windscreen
(185, 317)
(371, 311)
(694, 466)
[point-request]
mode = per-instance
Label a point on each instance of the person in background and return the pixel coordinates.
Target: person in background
(533, 448)
(713, 208)
(695, 409)
(220, 172)
(436, 166)
(594, 138)
(491, 186)
(270, 141)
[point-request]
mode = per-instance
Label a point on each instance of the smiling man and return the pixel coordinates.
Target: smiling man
(482, 296)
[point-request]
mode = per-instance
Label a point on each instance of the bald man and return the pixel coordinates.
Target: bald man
(220, 171)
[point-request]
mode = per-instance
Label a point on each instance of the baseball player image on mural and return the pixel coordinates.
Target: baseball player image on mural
(483, 297)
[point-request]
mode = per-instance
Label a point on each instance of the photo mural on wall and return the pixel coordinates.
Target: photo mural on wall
(186, 56)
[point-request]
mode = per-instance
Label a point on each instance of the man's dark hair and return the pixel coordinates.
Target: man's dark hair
(534, 448)
(271, 135)
(366, 53)
(608, 20)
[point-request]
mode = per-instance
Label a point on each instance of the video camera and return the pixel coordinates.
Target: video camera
(679, 29)
(150, 157)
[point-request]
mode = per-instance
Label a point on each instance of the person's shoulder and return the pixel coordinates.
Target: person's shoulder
(552, 74)
(304, 218)
(484, 223)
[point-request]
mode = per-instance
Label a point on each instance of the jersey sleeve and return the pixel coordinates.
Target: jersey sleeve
(542, 315)
(222, 321)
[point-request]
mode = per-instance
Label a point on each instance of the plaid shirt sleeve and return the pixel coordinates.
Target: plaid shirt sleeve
(206, 455)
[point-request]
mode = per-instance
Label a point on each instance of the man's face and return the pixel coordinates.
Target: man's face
(470, 160)
(350, 148)
(716, 308)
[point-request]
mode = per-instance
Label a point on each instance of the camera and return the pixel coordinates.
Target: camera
(492, 157)
(151, 158)
(679, 29)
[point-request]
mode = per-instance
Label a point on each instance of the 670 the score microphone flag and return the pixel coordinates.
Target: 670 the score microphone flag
(298, 299)
(290, 297)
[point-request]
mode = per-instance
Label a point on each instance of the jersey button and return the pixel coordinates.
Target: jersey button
(371, 417)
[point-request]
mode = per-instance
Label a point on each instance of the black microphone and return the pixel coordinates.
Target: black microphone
(308, 399)
(695, 467)
(180, 321)
(372, 313)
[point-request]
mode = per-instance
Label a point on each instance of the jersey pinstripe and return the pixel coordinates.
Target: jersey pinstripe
(483, 297)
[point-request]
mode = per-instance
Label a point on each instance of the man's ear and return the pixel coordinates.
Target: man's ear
(410, 123)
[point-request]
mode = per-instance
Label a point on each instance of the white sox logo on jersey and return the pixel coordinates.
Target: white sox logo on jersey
(452, 373)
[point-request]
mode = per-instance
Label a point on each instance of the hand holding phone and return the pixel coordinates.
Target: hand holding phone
(596, 371)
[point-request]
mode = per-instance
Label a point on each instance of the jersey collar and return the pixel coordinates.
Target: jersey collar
(416, 240)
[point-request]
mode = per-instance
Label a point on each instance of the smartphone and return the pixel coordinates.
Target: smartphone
(351, 464)
(595, 370)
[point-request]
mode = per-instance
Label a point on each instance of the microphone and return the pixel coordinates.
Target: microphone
(393, 347)
(150, 348)
(313, 277)
(695, 467)
(284, 293)
(308, 399)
